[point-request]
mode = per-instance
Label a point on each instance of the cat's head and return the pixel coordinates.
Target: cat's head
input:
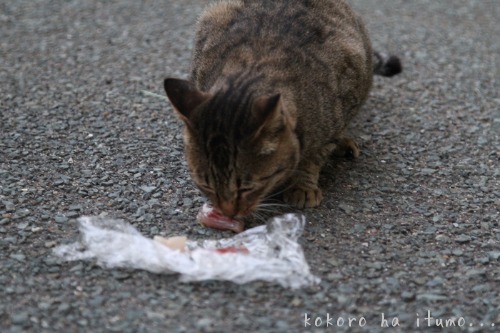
(239, 147)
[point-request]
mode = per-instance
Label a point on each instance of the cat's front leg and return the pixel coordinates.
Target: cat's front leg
(304, 191)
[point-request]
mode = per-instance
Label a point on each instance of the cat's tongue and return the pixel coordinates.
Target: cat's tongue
(211, 218)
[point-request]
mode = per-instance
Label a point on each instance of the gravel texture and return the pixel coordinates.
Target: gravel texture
(411, 226)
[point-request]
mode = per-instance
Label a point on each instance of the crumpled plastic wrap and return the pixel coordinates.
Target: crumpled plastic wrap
(273, 252)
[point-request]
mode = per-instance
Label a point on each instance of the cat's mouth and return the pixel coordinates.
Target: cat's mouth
(234, 209)
(213, 218)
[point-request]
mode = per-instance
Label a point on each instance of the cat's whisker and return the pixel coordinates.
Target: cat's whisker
(259, 217)
(272, 208)
(271, 211)
(289, 185)
(277, 204)
(275, 208)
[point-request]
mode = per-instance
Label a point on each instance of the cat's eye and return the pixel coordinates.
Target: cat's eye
(245, 190)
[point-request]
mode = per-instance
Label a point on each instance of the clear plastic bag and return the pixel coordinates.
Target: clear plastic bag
(271, 252)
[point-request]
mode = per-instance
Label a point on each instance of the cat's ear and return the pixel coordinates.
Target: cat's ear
(184, 96)
(269, 114)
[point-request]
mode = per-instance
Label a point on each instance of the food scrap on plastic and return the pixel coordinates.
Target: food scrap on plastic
(174, 243)
(268, 252)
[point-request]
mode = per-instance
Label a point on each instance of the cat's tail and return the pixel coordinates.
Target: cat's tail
(386, 65)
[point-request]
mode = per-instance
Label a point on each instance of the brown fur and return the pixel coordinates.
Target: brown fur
(274, 83)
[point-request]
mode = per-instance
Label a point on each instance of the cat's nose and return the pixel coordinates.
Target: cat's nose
(228, 208)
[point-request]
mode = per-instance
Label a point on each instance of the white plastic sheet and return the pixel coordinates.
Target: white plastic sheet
(273, 252)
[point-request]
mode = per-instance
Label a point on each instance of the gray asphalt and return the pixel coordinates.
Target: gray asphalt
(409, 228)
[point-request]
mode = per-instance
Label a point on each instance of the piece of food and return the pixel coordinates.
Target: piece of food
(179, 243)
(175, 243)
(209, 217)
(233, 249)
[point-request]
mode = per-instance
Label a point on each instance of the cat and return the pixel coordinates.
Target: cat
(274, 83)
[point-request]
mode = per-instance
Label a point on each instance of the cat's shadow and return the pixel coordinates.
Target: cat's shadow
(337, 180)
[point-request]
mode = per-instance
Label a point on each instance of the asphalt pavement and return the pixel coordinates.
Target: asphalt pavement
(408, 231)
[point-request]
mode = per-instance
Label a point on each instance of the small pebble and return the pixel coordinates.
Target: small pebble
(431, 297)
(494, 255)
(407, 296)
(463, 239)
(61, 219)
(20, 318)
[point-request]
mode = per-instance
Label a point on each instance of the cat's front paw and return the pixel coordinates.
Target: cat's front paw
(303, 197)
(346, 147)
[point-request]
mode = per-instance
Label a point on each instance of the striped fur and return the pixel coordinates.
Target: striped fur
(273, 85)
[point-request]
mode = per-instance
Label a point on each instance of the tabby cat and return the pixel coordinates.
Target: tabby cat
(274, 83)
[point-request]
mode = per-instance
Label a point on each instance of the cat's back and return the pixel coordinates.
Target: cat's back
(302, 33)
(293, 19)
